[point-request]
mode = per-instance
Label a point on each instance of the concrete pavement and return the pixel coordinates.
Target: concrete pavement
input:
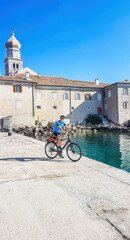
(42, 199)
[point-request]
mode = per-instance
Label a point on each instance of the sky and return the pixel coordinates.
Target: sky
(75, 39)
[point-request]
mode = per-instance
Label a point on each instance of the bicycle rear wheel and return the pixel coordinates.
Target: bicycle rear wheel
(51, 150)
(74, 152)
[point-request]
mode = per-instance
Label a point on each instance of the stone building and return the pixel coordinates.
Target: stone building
(75, 99)
(17, 99)
(27, 96)
(13, 61)
(117, 102)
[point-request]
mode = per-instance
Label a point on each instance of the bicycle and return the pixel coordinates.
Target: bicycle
(73, 150)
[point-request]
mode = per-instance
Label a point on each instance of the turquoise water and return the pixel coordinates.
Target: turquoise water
(110, 148)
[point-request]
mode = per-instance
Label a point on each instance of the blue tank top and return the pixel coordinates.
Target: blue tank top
(58, 123)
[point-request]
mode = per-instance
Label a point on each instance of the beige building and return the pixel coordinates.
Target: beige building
(75, 99)
(17, 99)
(117, 102)
(27, 96)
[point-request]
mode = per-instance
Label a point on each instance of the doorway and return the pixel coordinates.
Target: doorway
(99, 110)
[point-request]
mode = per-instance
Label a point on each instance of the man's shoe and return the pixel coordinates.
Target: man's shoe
(60, 155)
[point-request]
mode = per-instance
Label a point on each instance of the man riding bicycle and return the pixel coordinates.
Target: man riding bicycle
(58, 129)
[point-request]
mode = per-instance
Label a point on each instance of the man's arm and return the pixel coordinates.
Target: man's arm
(60, 128)
(68, 129)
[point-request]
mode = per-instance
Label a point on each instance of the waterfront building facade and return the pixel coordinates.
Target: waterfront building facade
(27, 96)
(117, 102)
(17, 99)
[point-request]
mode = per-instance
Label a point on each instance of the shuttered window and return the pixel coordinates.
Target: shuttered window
(38, 95)
(87, 96)
(125, 105)
(99, 96)
(54, 107)
(109, 94)
(18, 104)
(125, 91)
(17, 88)
(65, 96)
(77, 96)
(54, 95)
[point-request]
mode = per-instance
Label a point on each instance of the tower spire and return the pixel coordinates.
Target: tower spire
(13, 61)
(12, 31)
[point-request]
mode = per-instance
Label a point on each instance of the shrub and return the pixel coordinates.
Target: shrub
(94, 119)
(127, 123)
(37, 122)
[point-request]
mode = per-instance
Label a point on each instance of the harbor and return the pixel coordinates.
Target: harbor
(58, 199)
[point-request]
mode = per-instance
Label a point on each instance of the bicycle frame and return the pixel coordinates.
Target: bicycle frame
(68, 141)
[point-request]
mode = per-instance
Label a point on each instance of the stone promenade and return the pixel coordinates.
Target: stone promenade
(42, 199)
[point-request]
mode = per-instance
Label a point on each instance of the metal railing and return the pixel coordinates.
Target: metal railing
(7, 124)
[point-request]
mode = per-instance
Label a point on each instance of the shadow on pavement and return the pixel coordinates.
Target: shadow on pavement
(28, 159)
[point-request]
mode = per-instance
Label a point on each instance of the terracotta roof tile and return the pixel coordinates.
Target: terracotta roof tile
(125, 81)
(52, 81)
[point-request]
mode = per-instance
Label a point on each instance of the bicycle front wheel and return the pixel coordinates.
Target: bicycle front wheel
(51, 150)
(74, 152)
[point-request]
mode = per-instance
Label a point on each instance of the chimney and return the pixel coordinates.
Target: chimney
(38, 74)
(27, 76)
(96, 81)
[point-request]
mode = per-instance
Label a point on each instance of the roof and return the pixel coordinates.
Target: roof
(125, 81)
(52, 81)
(26, 69)
(120, 82)
(13, 42)
(16, 77)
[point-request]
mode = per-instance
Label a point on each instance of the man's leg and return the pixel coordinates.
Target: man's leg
(59, 141)
(60, 146)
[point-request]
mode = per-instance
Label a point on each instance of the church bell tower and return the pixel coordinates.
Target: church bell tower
(13, 61)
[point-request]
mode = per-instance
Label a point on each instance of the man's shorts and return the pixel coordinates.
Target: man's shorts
(55, 134)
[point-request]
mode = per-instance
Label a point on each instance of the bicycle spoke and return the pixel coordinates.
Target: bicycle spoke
(51, 150)
(74, 152)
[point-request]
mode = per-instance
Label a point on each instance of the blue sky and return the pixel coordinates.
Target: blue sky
(76, 39)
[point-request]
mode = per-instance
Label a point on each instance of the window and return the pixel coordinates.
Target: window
(109, 94)
(99, 96)
(125, 105)
(125, 91)
(17, 66)
(54, 95)
(65, 96)
(77, 96)
(13, 65)
(54, 107)
(105, 106)
(38, 107)
(18, 104)
(88, 96)
(17, 88)
(38, 95)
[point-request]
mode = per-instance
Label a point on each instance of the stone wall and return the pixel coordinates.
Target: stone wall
(36, 131)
